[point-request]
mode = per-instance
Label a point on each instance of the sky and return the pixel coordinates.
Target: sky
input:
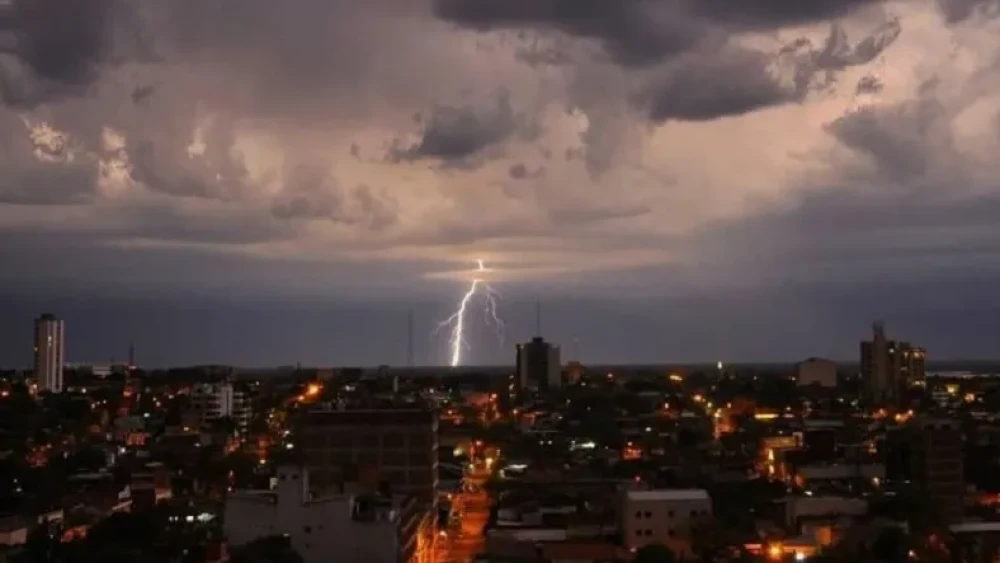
(262, 183)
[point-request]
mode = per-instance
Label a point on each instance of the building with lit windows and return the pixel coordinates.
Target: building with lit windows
(889, 367)
(49, 353)
(213, 401)
(538, 365)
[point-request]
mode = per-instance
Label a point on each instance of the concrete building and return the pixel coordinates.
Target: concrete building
(49, 353)
(212, 401)
(348, 525)
(816, 371)
(400, 445)
(889, 367)
(936, 463)
(664, 516)
(538, 365)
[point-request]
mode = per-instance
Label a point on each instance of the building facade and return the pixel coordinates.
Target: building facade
(213, 401)
(399, 445)
(538, 365)
(666, 516)
(889, 367)
(936, 464)
(49, 350)
(345, 526)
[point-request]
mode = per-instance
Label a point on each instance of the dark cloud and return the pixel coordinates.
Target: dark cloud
(903, 141)
(869, 84)
(729, 82)
(454, 135)
(40, 184)
(776, 13)
(311, 193)
(641, 32)
(838, 53)
(142, 93)
(168, 163)
(520, 171)
(956, 11)
(719, 85)
(633, 32)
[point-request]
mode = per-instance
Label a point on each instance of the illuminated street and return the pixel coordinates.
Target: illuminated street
(465, 539)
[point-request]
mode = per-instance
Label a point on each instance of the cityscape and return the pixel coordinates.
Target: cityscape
(883, 459)
(499, 281)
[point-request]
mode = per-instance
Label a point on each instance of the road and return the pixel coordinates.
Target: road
(465, 539)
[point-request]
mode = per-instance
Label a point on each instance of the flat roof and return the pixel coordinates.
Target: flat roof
(669, 494)
(975, 527)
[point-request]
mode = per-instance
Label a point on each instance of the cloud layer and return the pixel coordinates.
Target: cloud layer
(665, 144)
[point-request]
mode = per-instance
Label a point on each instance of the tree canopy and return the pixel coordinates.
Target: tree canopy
(654, 553)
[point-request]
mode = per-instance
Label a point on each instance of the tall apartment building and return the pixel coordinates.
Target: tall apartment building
(400, 445)
(538, 365)
(48, 354)
(888, 367)
(212, 401)
(929, 453)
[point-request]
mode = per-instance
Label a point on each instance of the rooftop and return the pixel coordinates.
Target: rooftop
(669, 494)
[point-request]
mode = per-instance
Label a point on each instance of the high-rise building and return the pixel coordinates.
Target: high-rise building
(213, 401)
(399, 445)
(929, 453)
(538, 365)
(49, 348)
(888, 367)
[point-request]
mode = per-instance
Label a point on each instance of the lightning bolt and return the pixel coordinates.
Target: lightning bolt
(456, 321)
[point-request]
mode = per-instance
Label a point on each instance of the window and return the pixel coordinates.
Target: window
(638, 532)
(670, 533)
(694, 513)
(638, 514)
(307, 529)
(649, 532)
(670, 514)
(649, 514)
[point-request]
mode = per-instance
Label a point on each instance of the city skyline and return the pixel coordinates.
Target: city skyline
(169, 334)
(675, 180)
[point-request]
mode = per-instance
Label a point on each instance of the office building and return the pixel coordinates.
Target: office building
(538, 365)
(889, 368)
(213, 401)
(400, 445)
(664, 516)
(49, 348)
(354, 523)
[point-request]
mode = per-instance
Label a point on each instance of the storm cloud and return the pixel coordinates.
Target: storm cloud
(663, 149)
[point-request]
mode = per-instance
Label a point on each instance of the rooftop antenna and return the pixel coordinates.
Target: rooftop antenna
(409, 336)
(538, 317)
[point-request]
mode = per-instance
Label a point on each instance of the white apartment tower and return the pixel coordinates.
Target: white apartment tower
(49, 358)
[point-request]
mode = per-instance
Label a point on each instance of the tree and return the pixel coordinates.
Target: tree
(891, 545)
(274, 549)
(654, 553)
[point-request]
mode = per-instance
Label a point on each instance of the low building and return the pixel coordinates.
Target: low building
(345, 526)
(664, 516)
(816, 371)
